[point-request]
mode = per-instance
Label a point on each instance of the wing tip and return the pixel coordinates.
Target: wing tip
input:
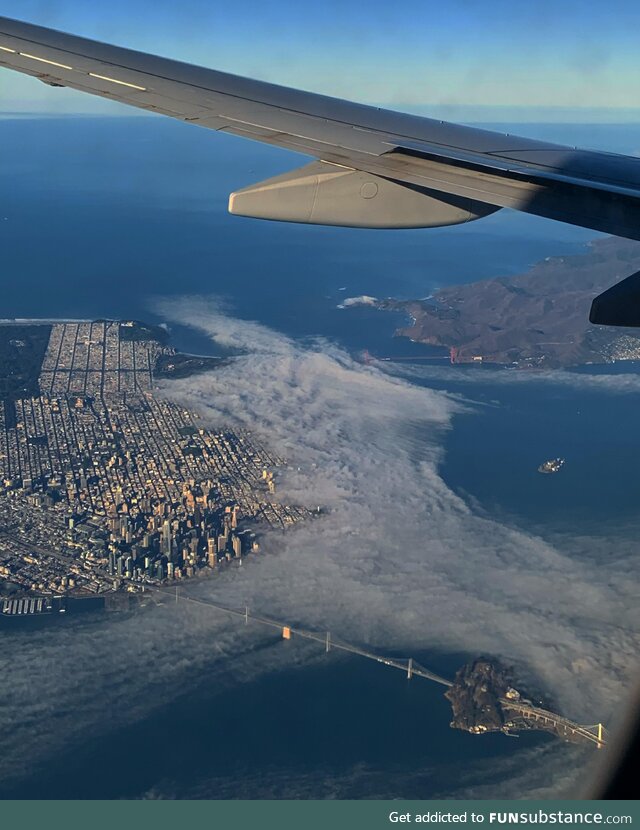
(618, 305)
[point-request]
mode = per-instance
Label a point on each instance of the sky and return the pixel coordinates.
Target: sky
(455, 56)
(458, 57)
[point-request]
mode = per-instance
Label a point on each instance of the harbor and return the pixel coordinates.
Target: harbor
(32, 606)
(15, 610)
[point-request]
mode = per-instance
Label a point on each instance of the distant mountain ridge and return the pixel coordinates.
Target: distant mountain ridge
(538, 319)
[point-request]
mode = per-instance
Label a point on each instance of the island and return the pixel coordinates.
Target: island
(539, 319)
(483, 699)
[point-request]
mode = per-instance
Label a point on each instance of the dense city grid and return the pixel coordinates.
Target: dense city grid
(105, 485)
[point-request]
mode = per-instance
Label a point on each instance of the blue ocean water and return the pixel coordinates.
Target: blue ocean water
(100, 217)
(344, 728)
(104, 214)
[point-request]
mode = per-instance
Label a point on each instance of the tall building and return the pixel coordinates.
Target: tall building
(237, 546)
(166, 543)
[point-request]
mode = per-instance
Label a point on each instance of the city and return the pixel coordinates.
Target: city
(107, 486)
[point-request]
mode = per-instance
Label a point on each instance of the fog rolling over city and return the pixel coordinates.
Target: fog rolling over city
(251, 441)
(400, 560)
(396, 561)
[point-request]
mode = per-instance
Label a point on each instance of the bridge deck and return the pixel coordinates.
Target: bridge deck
(408, 665)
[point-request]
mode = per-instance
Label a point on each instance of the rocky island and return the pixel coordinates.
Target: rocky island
(483, 699)
(536, 319)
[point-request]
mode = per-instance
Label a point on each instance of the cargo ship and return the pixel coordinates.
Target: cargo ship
(551, 466)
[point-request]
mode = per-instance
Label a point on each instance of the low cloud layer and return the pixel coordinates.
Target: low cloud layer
(613, 383)
(363, 299)
(399, 562)
(402, 561)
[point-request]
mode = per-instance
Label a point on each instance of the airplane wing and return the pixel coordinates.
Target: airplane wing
(372, 167)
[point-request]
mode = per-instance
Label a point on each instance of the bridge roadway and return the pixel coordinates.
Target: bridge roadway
(408, 665)
(531, 712)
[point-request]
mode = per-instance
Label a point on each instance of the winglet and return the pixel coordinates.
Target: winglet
(618, 305)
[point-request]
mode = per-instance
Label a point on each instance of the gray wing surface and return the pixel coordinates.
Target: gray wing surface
(372, 167)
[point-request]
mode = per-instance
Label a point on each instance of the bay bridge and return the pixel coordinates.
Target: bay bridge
(563, 727)
(532, 717)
